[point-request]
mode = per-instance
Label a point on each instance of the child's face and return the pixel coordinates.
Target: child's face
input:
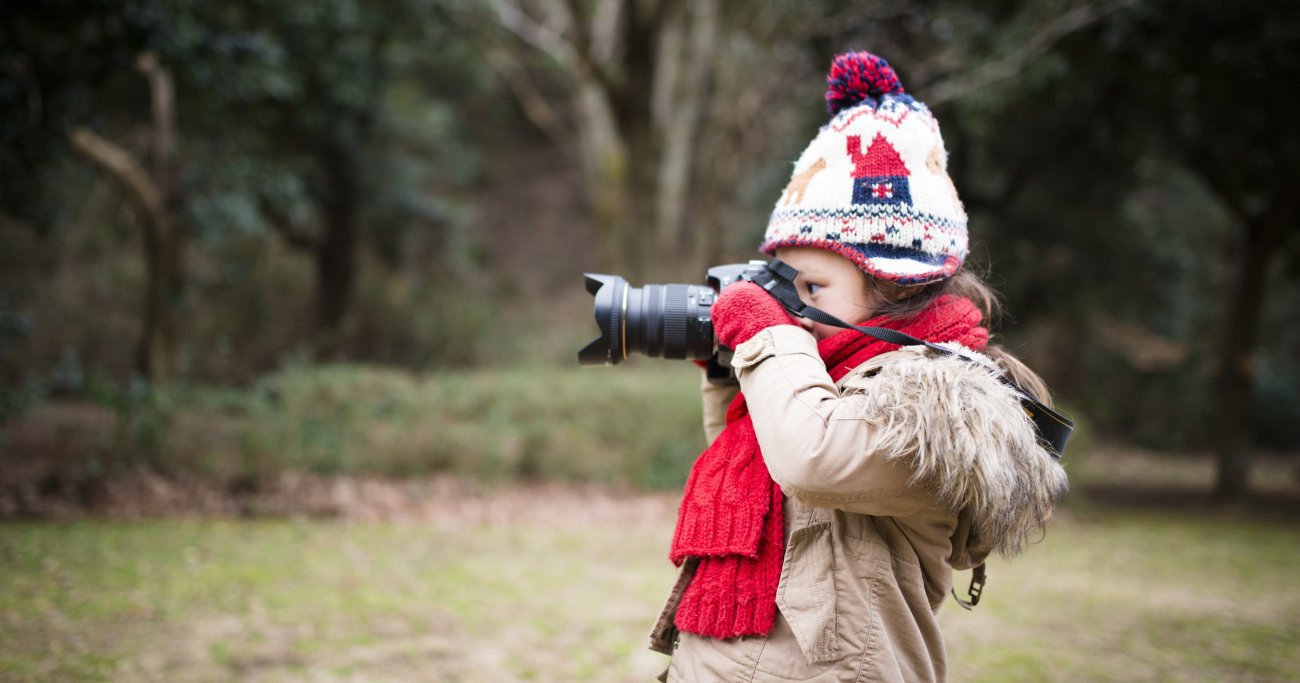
(834, 284)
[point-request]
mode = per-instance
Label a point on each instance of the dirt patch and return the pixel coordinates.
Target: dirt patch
(444, 500)
(1117, 475)
(59, 464)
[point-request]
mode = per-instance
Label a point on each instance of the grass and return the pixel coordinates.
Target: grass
(1108, 595)
(488, 579)
(212, 601)
(1139, 596)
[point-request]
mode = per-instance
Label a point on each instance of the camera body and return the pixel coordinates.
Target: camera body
(662, 321)
(719, 277)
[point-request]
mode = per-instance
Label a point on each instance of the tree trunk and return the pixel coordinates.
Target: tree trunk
(157, 345)
(164, 241)
(631, 98)
(1234, 376)
(161, 243)
(157, 196)
(687, 54)
(604, 165)
(614, 50)
(638, 220)
(336, 253)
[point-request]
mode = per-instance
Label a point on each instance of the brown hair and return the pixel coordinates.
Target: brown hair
(904, 302)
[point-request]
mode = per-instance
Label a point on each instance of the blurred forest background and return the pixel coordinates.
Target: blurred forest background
(204, 197)
(207, 194)
(265, 258)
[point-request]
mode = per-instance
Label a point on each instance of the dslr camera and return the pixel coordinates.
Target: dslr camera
(675, 321)
(663, 321)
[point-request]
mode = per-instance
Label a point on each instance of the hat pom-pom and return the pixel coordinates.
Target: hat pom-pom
(856, 76)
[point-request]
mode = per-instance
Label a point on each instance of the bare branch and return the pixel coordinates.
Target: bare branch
(1035, 46)
(162, 144)
(1211, 176)
(595, 41)
(535, 33)
(123, 168)
(659, 13)
(538, 110)
(294, 233)
(578, 22)
(574, 54)
(603, 24)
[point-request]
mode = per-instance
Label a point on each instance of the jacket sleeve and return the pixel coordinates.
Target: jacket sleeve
(826, 450)
(715, 398)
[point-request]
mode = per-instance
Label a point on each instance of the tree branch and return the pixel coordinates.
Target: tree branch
(534, 33)
(1055, 30)
(162, 145)
(122, 167)
(1213, 179)
(530, 98)
(292, 232)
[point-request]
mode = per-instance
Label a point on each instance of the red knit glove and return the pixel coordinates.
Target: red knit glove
(742, 311)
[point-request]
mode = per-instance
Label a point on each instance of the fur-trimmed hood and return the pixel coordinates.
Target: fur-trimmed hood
(965, 434)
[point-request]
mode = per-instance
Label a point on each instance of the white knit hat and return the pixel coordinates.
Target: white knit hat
(873, 185)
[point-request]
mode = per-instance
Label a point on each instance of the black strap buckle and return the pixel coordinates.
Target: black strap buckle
(978, 577)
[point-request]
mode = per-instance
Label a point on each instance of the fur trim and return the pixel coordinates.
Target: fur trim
(969, 439)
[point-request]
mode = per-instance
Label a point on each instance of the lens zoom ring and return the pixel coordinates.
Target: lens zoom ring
(675, 320)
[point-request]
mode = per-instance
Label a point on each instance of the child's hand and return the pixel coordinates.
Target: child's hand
(742, 311)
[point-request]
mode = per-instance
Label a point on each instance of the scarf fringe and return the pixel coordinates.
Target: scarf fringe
(735, 595)
(725, 515)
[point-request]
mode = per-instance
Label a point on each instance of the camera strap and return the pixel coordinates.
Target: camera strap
(778, 279)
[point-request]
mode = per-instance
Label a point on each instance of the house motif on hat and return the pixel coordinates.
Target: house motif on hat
(879, 175)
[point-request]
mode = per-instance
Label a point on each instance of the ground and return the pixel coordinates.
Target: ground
(353, 578)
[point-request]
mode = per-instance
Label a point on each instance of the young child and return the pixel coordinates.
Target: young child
(818, 532)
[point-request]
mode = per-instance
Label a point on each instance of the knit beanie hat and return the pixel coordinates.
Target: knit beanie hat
(873, 185)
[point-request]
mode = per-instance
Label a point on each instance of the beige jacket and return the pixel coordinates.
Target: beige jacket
(912, 465)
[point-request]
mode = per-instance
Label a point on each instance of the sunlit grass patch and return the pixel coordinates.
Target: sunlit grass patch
(263, 600)
(1107, 595)
(1138, 596)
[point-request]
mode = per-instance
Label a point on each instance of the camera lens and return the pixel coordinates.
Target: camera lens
(670, 321)
(660, 321)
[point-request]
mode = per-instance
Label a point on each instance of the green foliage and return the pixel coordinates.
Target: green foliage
(1277, 401)
(18, 391)
(1108, 183)
(280, 91)
(58, 59)
(289, 116)
(1105, 177)
(631, 426)
(141, 436)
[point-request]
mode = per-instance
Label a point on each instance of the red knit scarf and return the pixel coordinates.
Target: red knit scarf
(731, 512)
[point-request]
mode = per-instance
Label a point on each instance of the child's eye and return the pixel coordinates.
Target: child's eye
(812, 289)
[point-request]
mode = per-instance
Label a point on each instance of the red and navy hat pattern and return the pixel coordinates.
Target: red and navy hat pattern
(879, 174)
(873, 185)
